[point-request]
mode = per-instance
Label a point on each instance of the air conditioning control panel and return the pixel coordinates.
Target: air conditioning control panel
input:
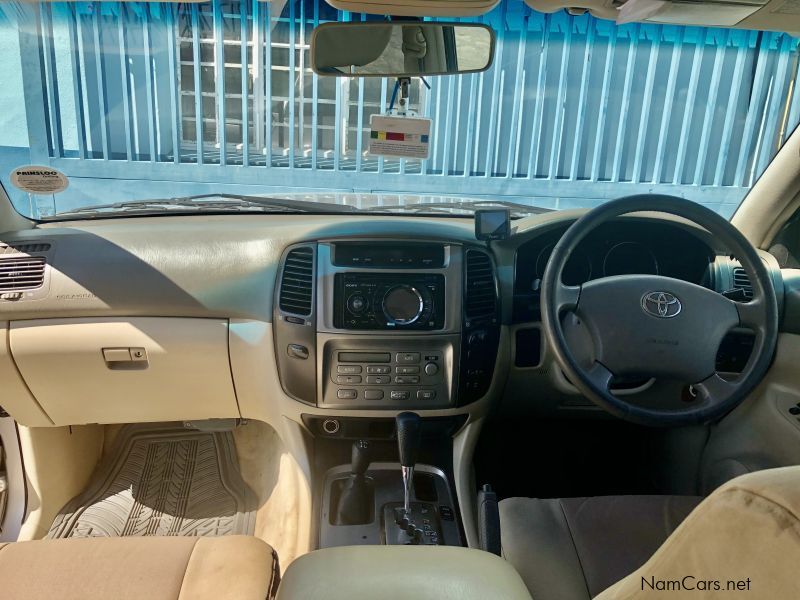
(388, 374)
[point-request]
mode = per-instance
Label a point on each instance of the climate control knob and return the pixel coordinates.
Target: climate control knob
(402, 305)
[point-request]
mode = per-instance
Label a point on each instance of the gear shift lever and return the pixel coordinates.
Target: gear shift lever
(408, 441)
(355, 501)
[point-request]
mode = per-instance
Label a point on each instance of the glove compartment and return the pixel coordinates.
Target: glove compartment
(114, 370)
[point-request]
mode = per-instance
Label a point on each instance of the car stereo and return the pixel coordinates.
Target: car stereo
(389, 301)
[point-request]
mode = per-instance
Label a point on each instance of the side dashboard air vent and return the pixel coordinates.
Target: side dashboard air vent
(742, 281)
(18, 274)
(297, 280)
(481, 297)
(23, 248)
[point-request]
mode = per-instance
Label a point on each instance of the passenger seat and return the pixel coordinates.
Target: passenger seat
(128, 568)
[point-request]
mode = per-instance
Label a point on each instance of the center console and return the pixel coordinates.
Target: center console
(386, 324)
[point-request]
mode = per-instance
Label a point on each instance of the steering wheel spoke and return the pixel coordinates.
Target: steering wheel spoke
(600, 376)
(714, 389)
(567, 297)
(751, 314)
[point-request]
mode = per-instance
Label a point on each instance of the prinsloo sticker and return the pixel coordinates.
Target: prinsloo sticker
(404, 137)
(36, 179)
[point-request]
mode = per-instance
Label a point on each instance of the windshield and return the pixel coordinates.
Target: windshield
(144, 101)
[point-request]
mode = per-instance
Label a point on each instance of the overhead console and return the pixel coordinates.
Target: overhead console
(386, 324)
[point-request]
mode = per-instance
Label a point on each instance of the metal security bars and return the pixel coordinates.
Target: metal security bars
(575, 110)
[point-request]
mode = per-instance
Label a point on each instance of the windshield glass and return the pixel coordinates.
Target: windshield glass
(139, 101)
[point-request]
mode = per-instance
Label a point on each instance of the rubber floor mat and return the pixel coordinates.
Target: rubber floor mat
(163, 480)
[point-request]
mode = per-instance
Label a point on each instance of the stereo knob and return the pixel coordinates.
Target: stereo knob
(356, 304)
(402, 305)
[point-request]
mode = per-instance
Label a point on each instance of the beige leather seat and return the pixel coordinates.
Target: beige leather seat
(128, 568)
(743, 539)
(574, 548)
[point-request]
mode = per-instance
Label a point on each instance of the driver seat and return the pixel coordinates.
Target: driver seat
(575, 548)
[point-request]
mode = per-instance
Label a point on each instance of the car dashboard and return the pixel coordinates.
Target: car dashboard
(322, 320)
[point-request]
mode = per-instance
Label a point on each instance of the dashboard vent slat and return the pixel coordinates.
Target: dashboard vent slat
(480, 296)
(297, 281)
(23, 248)
(21, 273)
(742, 281)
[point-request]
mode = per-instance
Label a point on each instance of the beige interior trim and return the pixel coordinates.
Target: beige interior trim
(760, 433)
(774, 198)
(399, 573)
(775, 15)
(58, 464)
(284, 515)
(723, 542)
(17, 398)
(186, 376)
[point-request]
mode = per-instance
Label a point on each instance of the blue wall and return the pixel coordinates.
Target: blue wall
(574, 111)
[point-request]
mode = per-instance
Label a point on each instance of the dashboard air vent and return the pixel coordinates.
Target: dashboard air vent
(297, 282)
(21, 273)
(23, 248)
(742, 281)
(481, 299)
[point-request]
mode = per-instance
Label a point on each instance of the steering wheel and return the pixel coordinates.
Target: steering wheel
(653, 326)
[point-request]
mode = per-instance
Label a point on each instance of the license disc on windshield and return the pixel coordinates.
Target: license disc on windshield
(401, 137)
(36, 179)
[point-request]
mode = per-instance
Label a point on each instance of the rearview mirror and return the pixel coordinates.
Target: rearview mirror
(401, 49)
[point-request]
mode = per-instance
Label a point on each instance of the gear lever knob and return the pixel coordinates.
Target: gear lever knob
(408, 437)
(409, 432)
(360, 457)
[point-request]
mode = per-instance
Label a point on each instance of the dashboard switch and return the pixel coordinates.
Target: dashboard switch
(347, 394)
(399, 395)
(297, 351)
(406, 358)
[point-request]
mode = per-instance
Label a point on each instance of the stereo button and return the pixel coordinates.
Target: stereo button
(406, 370)
(348, 379)
(426, 394)
(379, 370)
(346, 394)
(399, 395)
(348, 369)
(407, 358)
(378, 379)
(406, 379)
(373, 394)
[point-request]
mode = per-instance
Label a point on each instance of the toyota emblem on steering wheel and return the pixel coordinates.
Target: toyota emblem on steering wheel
(661, 304)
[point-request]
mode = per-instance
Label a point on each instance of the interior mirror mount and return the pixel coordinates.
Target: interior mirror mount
(401, 49)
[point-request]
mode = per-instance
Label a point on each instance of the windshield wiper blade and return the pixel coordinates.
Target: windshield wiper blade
(198, 203)
(469, 206)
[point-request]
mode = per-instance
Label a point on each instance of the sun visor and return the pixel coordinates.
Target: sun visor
(417, 8)
(767, 15)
